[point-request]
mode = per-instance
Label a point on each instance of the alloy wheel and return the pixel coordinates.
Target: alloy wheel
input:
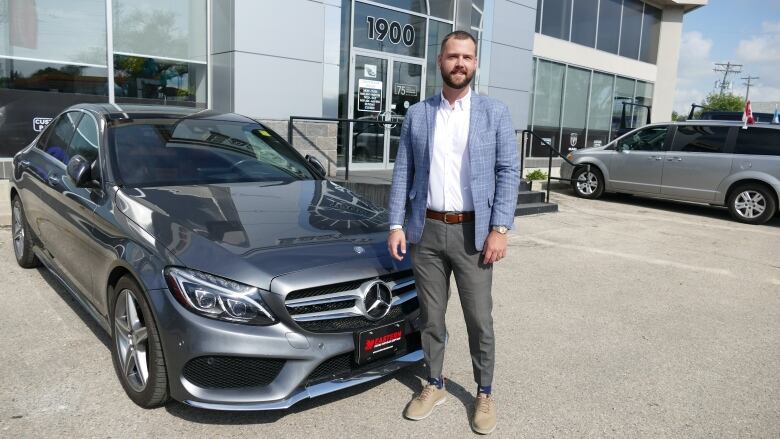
(750, 204)
(18, 230)
(131, 340)
(587, 183)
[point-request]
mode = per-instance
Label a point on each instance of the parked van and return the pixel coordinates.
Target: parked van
(705, 161)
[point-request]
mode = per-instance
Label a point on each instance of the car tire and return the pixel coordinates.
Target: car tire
(21, 237)
(588, 183)
(752, 204)
(136, 347)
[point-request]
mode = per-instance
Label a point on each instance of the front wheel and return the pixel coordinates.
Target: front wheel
(752, 204)
(137, 350)
(588, 182)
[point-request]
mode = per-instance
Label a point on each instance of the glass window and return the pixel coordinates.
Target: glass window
(443, 9)
(643, 96)
(547, 105)
(413, 5)
(600, 116)
(697, 138)
(202, 151)
(85, 139)
(631, 28)
(556, 18)
(390, 31)
(52, 77)
(648, 139)
(583, 27)
(161, 28)
(539, 7)
(158, 81)
(71, 32)
(575, 109)
(758, 141)
(609, 25)
(56, 145)
(651, 31)
(436, 33)
(624, 92)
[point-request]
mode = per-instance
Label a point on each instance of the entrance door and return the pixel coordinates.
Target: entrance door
(383, 88)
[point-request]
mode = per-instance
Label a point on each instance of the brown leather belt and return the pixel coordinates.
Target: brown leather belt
(449, 217)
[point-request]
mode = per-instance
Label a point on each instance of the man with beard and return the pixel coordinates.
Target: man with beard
(457, 170)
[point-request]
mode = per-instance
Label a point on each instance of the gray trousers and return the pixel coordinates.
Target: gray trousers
(443, 250)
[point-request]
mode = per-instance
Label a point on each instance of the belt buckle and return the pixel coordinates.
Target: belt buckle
(455, 214)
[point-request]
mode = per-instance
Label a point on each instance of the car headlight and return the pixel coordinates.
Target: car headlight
(218, 298)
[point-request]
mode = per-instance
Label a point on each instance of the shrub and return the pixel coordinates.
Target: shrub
(536, 174)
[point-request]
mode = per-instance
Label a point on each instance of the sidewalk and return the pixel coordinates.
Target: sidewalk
(5, 203)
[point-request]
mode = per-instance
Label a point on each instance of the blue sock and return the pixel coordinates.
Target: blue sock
(438, 382)
(487, 390)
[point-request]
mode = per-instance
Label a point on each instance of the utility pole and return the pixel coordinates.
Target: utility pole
(748, 82)
(727, 68)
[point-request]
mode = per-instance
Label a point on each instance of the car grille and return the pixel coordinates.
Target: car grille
(344, 364)
(333, 308)
(232, 372)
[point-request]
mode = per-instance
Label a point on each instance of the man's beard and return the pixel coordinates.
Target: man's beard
(453, 83)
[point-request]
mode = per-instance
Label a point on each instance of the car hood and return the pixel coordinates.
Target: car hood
(253, 232)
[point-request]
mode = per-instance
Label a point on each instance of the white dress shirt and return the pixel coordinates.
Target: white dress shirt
(449, 185)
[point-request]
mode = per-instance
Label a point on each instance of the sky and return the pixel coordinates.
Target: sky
(745, 32)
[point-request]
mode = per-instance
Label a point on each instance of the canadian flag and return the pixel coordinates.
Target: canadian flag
(747, 116)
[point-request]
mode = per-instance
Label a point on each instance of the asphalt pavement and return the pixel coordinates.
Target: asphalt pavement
(621, 318)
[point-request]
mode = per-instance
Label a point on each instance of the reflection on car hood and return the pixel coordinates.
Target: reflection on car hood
(253, 232)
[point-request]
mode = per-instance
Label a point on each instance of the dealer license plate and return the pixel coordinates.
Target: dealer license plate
(381, 342)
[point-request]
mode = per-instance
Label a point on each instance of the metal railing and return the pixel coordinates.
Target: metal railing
(528, 135)
(339, 120)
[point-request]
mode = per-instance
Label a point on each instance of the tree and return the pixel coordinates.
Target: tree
(677, 117)
(724, 102)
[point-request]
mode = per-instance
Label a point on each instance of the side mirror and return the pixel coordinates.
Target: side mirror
(80, 171)
(317, 165)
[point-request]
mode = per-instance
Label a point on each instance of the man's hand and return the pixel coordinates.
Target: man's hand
(495, 247)
(395, 240)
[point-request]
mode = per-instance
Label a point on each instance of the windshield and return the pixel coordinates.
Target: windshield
(169, 152)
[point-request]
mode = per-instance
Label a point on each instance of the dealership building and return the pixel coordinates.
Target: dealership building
(565, 68)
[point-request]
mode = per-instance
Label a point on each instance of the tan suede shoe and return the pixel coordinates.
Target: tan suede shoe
(484, 421)
(423, 404)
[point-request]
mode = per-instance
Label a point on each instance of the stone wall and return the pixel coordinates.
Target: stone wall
(315, 138)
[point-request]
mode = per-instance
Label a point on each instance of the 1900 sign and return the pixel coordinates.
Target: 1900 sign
(379, 29)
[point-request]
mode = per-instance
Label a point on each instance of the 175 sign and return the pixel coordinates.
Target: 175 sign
(379, 29)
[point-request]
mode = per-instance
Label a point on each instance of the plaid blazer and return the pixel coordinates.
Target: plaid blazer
(492, 152)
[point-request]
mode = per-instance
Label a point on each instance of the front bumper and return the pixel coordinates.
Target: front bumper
(186, 336)
(566, 171)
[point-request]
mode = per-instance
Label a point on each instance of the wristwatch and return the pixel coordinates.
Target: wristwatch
(500, 229)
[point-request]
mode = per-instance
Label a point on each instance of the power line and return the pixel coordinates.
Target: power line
(727, 68)
(748, 82)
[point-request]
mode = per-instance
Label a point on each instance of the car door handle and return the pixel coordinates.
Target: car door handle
(24, 163)
(53, 180)
(654, 157)
(679, 159)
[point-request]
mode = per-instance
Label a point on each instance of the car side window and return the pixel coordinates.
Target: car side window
(56, 144)
(700, 138)
(85, 139)
(758, 141)
(648, 139)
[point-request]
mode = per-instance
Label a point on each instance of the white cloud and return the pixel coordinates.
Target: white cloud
(694, 70)
(765, 48)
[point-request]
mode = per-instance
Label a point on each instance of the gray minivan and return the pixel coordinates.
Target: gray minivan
(715, 162)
